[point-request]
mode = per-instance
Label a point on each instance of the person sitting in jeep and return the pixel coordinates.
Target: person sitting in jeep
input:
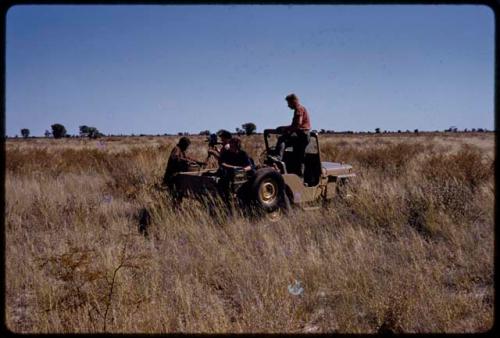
(230, 161)
(296, 134)
(225, 136)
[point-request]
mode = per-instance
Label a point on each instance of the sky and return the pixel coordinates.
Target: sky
(155, 69)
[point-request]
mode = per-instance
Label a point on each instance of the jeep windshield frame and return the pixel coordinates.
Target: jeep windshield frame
(311, 148)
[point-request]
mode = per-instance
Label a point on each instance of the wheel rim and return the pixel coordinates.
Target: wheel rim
(268, 192)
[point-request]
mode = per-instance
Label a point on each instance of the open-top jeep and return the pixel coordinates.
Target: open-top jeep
(275, 185)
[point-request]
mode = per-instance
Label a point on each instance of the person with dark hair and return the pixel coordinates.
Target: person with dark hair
(232, 160)
(225, 136)
(178, 161)
(234, 157)
(296, 134)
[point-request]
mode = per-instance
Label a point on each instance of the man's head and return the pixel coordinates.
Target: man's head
(234, 144)
(292, 100)
(184, 143)
(225, 136)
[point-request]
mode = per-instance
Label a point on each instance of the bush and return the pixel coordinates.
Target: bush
(90, 132)
(58, 130)
(249, 128)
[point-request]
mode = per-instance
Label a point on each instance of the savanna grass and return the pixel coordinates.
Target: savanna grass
(410, 251)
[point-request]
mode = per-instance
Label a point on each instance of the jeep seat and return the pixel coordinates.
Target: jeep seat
(312, 169)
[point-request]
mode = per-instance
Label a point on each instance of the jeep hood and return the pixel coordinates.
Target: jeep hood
(336, 169)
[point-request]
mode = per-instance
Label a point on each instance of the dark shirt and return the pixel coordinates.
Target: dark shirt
(301, 119)
(177, 162)
(221, 152)
(240, 159)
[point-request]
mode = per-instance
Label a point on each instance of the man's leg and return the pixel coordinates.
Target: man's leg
(301, 144)
(280, 147)
(224, 187)
(283, 142)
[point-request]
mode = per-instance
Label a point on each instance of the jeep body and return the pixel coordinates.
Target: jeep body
(276, 185)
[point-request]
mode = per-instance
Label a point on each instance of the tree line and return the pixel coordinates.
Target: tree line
(59, 131)
(249, 128)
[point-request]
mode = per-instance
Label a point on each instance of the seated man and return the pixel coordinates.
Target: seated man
(230, 161)
(178, 161)
(225, 136)
(296, 134)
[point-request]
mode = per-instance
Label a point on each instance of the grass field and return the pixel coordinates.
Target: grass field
(411, 251)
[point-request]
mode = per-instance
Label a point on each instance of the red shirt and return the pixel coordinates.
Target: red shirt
(301, 119)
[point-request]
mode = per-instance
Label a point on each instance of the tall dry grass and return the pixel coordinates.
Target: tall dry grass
(411, 251)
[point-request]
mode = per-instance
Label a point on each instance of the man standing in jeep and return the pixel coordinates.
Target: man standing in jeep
(296, 134)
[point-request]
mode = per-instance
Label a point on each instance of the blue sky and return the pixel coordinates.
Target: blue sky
(164, 69)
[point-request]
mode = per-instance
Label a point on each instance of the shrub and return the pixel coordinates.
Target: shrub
(58, 130)
(249, 128)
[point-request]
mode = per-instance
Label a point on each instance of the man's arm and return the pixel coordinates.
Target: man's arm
(296, 121)
(214, 152)
(229, 166)
(181, 156)
(244, 162)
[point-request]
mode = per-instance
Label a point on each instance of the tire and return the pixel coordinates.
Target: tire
(267, 190)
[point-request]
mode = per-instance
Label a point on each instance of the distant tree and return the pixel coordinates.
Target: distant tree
(47, 133)
(249, 128)
(399, 131)
(322, 131)
(480, 130)
(377, 130)
(180, 133)
(94, 133)
(473, 130)
(90, 132)
(84, 131)
(416, 131)
(25, 132)
(205, 132)
(58, 130)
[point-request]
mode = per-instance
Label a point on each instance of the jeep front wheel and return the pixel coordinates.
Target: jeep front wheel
(268, 190)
